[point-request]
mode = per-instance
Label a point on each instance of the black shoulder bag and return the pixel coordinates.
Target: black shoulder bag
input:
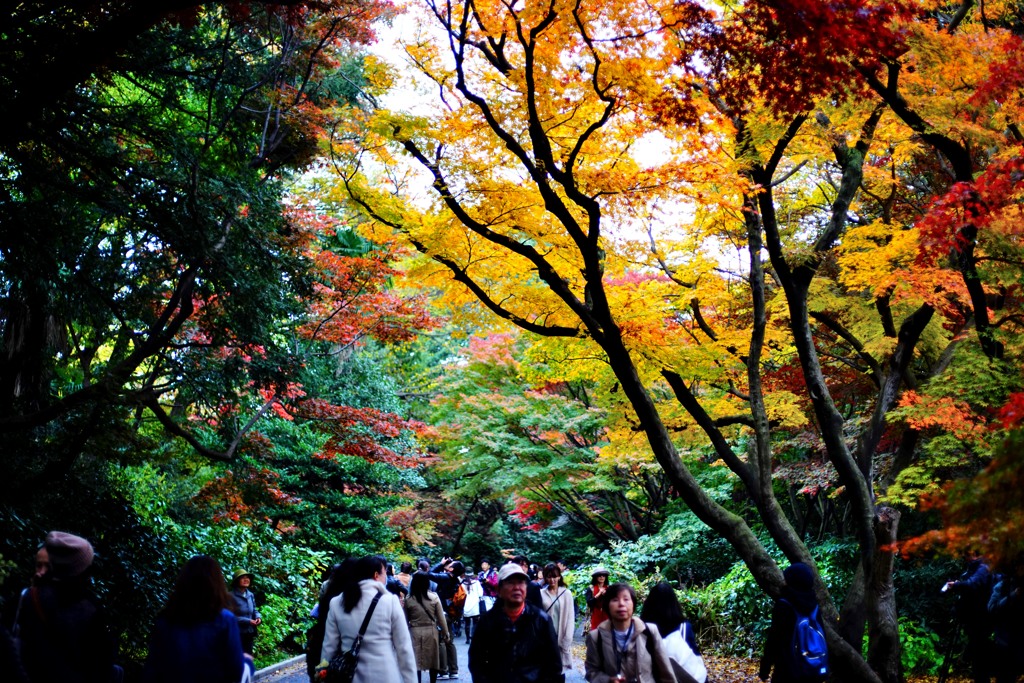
(342, 668)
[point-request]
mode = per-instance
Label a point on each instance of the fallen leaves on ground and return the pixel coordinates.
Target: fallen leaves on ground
(740, 670)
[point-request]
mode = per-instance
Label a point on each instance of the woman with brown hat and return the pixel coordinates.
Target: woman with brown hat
(64, 632)
(245, 609)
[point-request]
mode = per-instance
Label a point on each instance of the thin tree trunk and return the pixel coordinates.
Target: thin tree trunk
(883, 634)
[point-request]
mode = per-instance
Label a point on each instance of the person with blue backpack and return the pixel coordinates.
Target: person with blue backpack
(796, 651)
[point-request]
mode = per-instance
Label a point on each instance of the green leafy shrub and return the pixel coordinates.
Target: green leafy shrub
(920, 653)
(280, 634)
(731, 615)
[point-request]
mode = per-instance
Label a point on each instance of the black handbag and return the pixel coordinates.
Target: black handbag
(342, 667)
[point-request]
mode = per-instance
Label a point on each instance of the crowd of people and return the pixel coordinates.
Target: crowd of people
(519, 620)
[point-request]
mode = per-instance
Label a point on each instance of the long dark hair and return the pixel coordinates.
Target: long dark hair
(335, 585)
(662, 609)
(364, 568)
(419, 587)
(199, 594)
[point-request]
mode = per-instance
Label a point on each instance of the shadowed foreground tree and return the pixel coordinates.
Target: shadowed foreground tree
(148, 270)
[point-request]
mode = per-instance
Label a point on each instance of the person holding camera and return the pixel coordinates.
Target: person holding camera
(973, 589)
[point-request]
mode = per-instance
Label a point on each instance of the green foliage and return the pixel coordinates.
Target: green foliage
(959, 443)
(920, 654)
(286, 573)
(918, 597)
(7, 567)
(563, 540)
(836, 559)
(539, 443)
(684, 551)
(281, 631)
(731, 615)
(342, 502)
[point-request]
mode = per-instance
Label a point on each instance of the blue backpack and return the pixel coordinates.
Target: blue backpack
(809, 649)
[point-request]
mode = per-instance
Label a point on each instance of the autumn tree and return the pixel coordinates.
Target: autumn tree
(547, 449)
(331, 454)
(762, 219)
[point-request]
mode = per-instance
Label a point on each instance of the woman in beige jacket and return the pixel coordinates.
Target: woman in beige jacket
(427, 625)
(557, 602)
(624, 648)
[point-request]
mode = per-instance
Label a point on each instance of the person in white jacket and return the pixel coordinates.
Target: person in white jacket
(662, 609)
(558, 603)
(386, 651)
(471, 610)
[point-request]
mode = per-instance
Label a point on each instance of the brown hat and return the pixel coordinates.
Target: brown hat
(70, 555)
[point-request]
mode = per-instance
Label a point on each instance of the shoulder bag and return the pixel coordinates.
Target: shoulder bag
(342, 668)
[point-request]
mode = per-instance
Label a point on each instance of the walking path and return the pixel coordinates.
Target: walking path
(294, 670)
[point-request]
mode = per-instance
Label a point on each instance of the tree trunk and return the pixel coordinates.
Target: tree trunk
(854, 617)
(883, 634)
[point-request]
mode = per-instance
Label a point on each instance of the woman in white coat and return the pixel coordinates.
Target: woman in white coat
(557, 602)
(386, 652)
(662, 609)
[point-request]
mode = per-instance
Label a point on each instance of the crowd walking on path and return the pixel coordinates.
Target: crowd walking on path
(372, 625)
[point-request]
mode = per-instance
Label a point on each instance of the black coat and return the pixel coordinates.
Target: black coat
(533, 595)
(973, 590)
(65, 637)
(522, 652)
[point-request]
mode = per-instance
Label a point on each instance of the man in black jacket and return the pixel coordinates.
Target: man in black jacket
(515, 642)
